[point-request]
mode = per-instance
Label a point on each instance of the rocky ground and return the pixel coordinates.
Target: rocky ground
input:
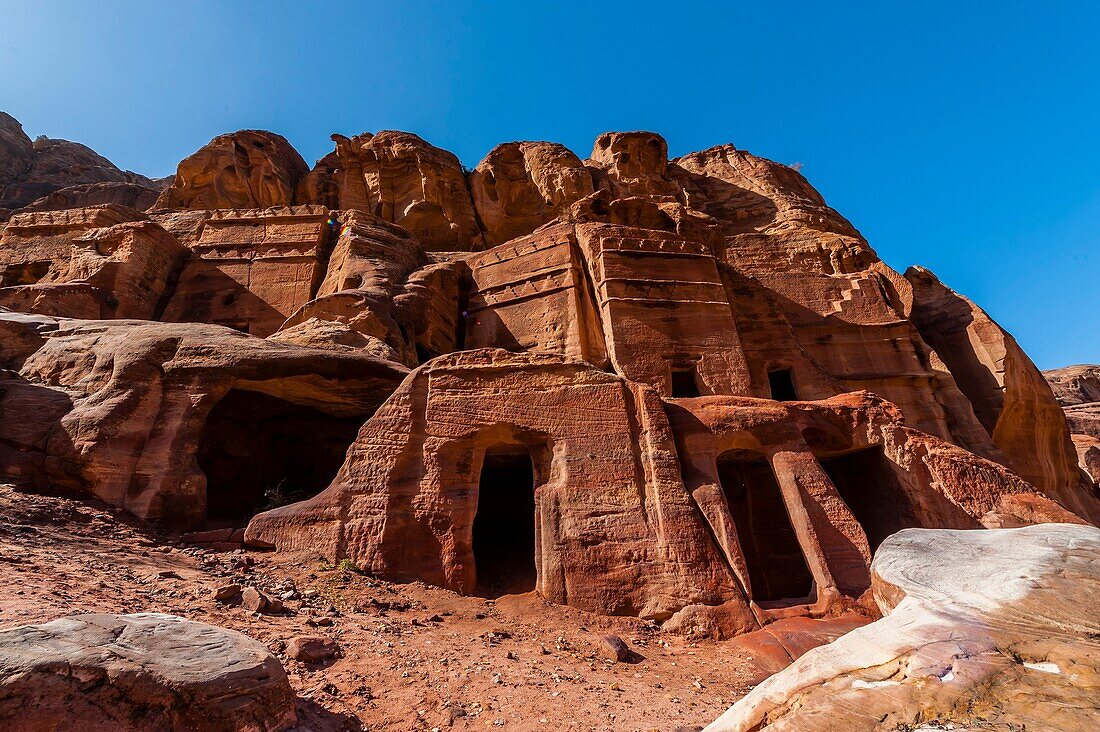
(413, 657)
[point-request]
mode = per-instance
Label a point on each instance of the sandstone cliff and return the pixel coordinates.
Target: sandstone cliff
(686, 390)
(30, 171)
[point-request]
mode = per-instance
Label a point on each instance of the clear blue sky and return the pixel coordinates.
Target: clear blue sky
(959, 136)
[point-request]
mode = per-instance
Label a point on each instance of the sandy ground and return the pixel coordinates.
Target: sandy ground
(413, 657)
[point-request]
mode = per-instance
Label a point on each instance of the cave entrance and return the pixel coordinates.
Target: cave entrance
(504, 526)
(685, 383)
(260, 452)
(868, 484)
(781, 383)
(778, 573)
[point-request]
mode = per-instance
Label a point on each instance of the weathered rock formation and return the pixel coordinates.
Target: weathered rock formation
(683, 389)
(400, 178)
(246, 169)
(520, 186)
(1077, 389)
(251, 269)
(184, 423)
(139, 673)
(1007, 392)
(131, 195)
(30, 171)
(102, 262)
(607, 490)
(982, 630)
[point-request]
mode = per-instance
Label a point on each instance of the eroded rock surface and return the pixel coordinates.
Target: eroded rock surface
(520, 186)
(245, 169)
(1008, 393)
(608, 490)
(145, 672)
(31, 170)
(686, 389)
(132, 195)
(1077, 389)
(402, 179)
(982, 630)
(177, 422)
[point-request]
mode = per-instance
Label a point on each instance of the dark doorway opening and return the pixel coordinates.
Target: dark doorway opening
(684, 383)
(868, 484)
(504, 526)
(781, 382)
(260, 452)
(778, 572)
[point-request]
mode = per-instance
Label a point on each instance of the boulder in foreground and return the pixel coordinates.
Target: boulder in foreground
(139, 672)
(994, 630)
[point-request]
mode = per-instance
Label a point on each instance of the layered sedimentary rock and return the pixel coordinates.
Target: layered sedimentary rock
(1008, 393)
(982, 630)
(120, 271)
(382, 292)
(683, 389)
(139, 673)
(632, 164)
(245, 169)
(131, 195)
(1077, 389)
(38, 247)
(31, 170)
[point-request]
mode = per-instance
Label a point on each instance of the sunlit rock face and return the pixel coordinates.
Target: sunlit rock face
(982, 630)
(684, 389)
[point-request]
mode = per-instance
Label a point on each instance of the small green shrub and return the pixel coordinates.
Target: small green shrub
(346, 565)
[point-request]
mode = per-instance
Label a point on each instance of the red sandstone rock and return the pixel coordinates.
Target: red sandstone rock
(633, 164)
(1008, 393)
(244, 169)
(16, 153)
(381, 292)
(226, 593)
(29, 171)
(402, 179)
(1077, 389)
(311, 649)
(751, 194)
(38, 246)
(705, 371)
(133, 195)
(139, 673)
(135, 412)
(615, 648)
(121, 271)
(251, 269)
(404, 503)
(1088, 456)
(520, 186)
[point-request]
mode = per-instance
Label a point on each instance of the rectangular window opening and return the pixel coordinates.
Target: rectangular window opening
(684, 383)
(781, 382)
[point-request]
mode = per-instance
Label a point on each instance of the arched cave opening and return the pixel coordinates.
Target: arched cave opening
(869, 485)
(260, 452)
(778, 573)
(504, 526)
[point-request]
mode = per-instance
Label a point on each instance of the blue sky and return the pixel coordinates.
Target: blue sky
(960, 138)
